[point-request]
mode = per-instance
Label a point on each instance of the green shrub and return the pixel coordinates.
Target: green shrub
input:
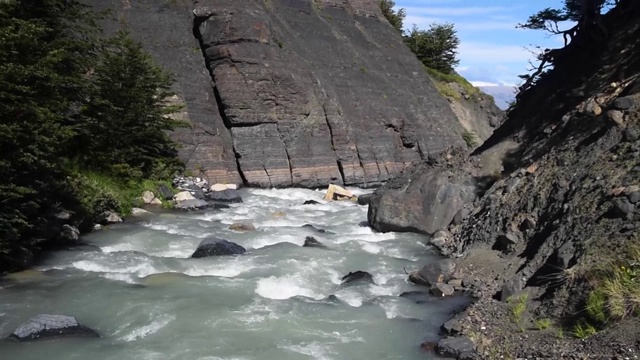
(518, 307)
(470, 138)
(542, 324)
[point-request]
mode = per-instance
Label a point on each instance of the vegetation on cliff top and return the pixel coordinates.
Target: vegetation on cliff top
(73, 110)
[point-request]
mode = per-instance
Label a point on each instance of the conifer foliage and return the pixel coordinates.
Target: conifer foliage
(69, 106)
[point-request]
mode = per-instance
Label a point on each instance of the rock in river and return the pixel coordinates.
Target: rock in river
(357, 276)
(45, 325)
(213, 246)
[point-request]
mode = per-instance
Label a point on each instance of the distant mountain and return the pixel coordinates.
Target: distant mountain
(501, 93)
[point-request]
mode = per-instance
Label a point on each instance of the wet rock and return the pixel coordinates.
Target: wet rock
(310, 241)
(357, 276)
(228, 195)
(69, 234)
(455, 346)
(279, 214)
(623, 103)
(363, 224)
(147, 197)
(164, 192)
(441, 290)
(213, 246)
(431, 274)
(335, 192)
(242, 227)
(311, 202)
(364, 199)
(109, 217)
(427, 203)
(419, 297)
(44, 325)
(442, 240)
(313, 228)
(191, 204)
(452, 327)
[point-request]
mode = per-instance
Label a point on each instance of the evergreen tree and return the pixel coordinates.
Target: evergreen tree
(396, 19)
(436, 47)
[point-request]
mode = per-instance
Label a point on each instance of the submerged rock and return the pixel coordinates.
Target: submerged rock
(357, 276)
(311, 202)
(242, 227)
(419, 297)
(310, 241)
(311, 227)
(44, 325)
(216, 247)
(192, 204)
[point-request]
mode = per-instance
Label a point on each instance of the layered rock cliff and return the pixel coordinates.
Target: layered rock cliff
(292, 93)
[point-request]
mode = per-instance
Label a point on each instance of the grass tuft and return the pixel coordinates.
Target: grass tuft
(518, 307)
(452, 78)
(542, 324)
(470, 138)
(583, 330)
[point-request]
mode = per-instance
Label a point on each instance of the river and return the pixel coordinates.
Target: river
(136, 285)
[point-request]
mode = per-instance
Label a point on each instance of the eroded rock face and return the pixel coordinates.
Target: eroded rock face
(292, 93)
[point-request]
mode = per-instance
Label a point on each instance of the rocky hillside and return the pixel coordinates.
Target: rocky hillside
(542, 219)
(292, 93)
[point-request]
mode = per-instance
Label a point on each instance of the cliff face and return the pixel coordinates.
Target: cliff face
(283, 93)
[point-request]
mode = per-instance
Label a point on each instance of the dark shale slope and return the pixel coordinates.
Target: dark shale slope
(292, 93)
(557, 191)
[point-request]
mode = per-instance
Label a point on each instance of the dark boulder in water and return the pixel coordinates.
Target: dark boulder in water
(364, 199)
(311, 227)
(213, 246)
(311, 202)
(357, 276)
(310, 241)
(419, 297)
(44, 325)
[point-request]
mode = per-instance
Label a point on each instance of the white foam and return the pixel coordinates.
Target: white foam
(141, 269)
(263, 241)
(370, 248)
(150, 329)
(315, 350)
(128, 278)
(351, 298)
(280, 288)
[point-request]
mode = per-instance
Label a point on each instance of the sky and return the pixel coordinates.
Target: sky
(492, 50)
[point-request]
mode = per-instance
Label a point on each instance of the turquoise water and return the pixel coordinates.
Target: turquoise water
(136, 285)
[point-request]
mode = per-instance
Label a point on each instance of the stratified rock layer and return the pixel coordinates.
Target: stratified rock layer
(292, 93)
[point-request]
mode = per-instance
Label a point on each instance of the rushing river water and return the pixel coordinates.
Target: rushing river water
(136, 285)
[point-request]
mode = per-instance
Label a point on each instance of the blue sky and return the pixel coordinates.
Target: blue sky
(492, 51)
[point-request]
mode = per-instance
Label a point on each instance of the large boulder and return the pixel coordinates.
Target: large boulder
(165, 192)
(147, 197)
(183, 196)
(69, 234)
(434, 273)
(228, 195)
(426, 202)
(109, 217)
(44, 325)
(192, 204)
(213, 246)
(455, 346)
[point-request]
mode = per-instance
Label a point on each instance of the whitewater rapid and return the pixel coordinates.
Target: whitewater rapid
(136, 284)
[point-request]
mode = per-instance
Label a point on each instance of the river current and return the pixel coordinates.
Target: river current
(136, 285)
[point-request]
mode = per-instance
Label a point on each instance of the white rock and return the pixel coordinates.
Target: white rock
(156, 201)
(183, 196)
(111, 218)
(138, 212)
(223, 187)
(148, 197)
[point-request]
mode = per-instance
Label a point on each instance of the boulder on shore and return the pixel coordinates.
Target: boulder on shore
(147, 197)
(434, 273)
(213, 246)
(44, 325)
(335, 192)
(109, 217)
(183, 196)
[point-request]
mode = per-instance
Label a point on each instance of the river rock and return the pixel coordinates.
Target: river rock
(183, 196)
(192, 204)
(69, 234)
(431, 274)
(441, 289)
(425, 202)
(109, 217)
(139, 212)
(357, 276)
(156, 202)
(311, 202)
(455, 346)
(147, 197)
(44, 325)
(313, 228)
(419, 297)
(223, 187)
(228, 195)
(213, 246)
(242, 227)
(310, 241)
(164, 192)
(335, 192)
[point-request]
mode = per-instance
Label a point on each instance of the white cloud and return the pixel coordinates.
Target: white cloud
(455, 11)
(488, 53)
(483, 84)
